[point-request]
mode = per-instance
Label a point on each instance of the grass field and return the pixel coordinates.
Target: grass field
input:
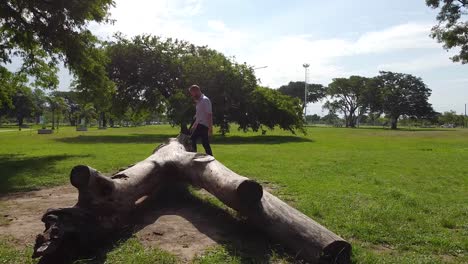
(397, 196)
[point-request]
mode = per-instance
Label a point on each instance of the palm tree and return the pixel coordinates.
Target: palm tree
(88, 112)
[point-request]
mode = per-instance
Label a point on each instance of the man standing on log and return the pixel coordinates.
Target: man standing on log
(203, 125)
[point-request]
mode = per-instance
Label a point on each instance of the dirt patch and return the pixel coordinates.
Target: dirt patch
(21, 212)
(184, 225)
(382, 249)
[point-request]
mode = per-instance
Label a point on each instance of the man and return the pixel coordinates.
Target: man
(203, 125)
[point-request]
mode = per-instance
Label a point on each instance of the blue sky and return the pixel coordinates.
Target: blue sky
(338, 38)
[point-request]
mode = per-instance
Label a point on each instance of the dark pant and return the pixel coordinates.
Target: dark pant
(201, 132)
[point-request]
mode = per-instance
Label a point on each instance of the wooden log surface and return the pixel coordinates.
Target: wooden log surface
(106, 203)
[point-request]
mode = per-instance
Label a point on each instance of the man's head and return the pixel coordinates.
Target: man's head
(195, 92)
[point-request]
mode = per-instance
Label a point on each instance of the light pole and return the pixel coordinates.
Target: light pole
(466, 120)
(306, 69)
(258, 68)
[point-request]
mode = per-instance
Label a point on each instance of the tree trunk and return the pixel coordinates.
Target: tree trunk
(72, 118)
(53, 119)
(105, 204)
(104, 120)
(394, 121)
(352, 121)
(20, 121)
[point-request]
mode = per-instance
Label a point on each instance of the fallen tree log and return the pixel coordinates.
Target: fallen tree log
(105, 204)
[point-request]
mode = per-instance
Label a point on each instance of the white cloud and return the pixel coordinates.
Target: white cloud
(217, 25)
(404, 36)
(419, 64)
(284, 55)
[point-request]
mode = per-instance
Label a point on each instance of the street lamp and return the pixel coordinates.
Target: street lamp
(306, 69)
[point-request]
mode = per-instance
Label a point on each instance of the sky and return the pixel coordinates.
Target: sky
(338, 38)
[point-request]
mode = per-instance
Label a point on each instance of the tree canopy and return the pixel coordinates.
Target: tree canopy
(403, 94)
(270, 107)
(153, 74)
(351, 96)
(41, 33)
(452, 29)
(315, 92)
(55, 27)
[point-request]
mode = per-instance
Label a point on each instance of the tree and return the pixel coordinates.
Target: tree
(331, 118)
(312, 118)
(8, 83)
(146, 73)
(451, 118)
(315, 92)
(268, 107)
(403, 94)
(39, 102)
(88, 112)
(42, 32)
(451, 30)
(152, 76)
(57, 107)
(350, 96)
(16, 99)
(23, 105)
(227, 83)
(72, 105)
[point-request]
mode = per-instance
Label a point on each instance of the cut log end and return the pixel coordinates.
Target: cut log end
(337, 252)
(79, 176)
(250, 193)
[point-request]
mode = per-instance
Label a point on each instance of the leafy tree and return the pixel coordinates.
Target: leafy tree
(57, 107)
(315, 92)
(88, 113)
(451, 117)
(145, 71)
(8, 84)
(42, 32)
(452, 29)
(265, 103)
(152, 76)
(15, 96)
(331, 118)
(228, 84)
(403, 94)
(351, 96)
(312, 118)
(23, 105)
(72, 105)
(39, 102)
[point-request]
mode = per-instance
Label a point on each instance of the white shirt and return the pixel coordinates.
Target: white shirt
(203, 109)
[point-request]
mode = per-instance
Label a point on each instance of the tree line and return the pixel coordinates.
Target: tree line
(390, 96)
(146, 77)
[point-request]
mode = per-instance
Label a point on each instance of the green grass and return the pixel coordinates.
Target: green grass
(397, 196)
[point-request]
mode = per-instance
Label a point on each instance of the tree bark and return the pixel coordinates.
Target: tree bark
(394, 121)
(106, 203)
(53, 119)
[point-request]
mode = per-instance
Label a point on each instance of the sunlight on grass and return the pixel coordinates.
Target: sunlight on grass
(398, 196)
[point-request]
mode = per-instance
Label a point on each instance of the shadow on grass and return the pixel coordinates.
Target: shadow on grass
(239, 239)
(409, 129)
(15, 169)
(260, 139)
(158, 138)
(130, 138)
